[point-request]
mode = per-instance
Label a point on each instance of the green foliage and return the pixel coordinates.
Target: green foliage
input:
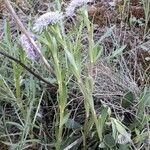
(109, 141)
(143, 102)
(41, 114)
(127, 99)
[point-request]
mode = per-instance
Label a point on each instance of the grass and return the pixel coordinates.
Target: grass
(93, 98)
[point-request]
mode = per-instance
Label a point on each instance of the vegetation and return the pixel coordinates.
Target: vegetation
(75, 80)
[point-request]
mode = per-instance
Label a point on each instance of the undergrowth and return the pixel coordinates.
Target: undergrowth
(87, 97)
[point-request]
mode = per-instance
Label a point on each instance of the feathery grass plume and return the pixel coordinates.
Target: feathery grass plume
(31, 52)
(46, 19)
(74, 4)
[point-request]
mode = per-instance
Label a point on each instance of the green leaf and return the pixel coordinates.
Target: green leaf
(127, 99)
(109, 141)
(44, 40)
(71, 124)
(121, 128)
(147, 97)
(6, 94)
(141, 137)
(144, 101)
(101, 120)
(89, 125)
(107, 33)
(7, 34)
(65, 118)
(124, 147)
(117, 52)
(71, 60)
(97, 51)
(114, 130)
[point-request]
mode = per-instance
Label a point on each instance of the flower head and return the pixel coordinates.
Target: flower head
(31, 52)
(46, 19)
(70, 10)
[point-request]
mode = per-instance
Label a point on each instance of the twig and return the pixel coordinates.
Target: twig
(23, 29)
(27, 68)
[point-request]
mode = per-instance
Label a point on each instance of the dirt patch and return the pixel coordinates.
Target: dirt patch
(102, 13)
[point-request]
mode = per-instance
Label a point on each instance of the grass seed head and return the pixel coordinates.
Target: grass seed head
(46, 19)
(70, 10)
(31, 52)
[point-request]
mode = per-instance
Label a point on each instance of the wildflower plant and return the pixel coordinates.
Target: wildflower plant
(54, 38)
